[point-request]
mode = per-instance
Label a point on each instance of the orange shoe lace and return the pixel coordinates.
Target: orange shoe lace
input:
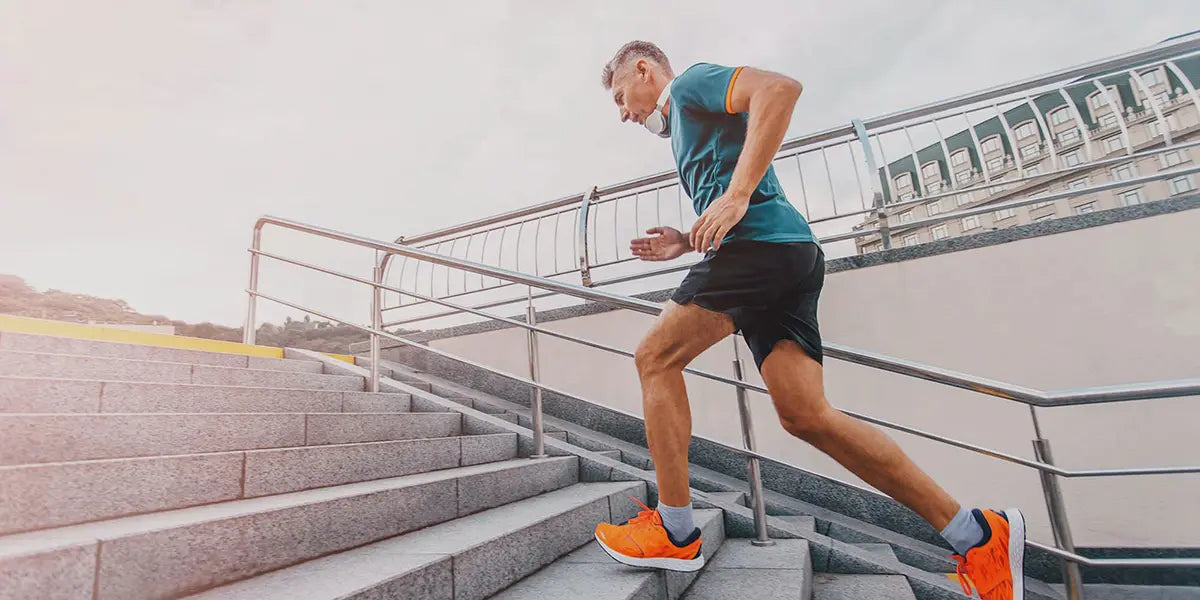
(961, 571)
(985, 572)
(643, 516)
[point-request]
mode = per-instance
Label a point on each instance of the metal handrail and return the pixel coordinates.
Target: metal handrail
(1110, 64)
(1016, 393)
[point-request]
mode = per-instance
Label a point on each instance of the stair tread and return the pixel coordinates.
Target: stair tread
(29, 543)
(589, 572)
(830, 586)
(30, 342)
(357, 569)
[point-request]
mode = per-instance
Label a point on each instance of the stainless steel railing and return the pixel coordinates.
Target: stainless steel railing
(850, 172)
(1043, 463)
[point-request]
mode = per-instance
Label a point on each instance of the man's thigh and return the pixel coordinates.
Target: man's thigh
(795, 381)
(682, 332)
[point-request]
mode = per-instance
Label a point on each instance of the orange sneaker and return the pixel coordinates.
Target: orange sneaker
(997, 565)
(644, 542)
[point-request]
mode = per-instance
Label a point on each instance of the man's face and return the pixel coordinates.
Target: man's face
(634, 91)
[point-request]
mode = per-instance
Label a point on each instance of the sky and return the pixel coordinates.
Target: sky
(140, 139)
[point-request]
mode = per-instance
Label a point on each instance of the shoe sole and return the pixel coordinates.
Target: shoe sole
(669, 564)
(1016, 551)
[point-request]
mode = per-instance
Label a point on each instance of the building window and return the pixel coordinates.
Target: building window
(1084, 209)
(1107, 120)
(1068, 136)
(1060, 116)
(1030, 150)
(1123, 172)
(1152, 78)
(960, 157)
(1041, 204)
(906, 217)
(912, 240)
(906, 196)
(931, 171)
(1072, 159)
(934, 208)
(1006, 213)
(1113, 144)
(1078, 184)
(1097, 101)
(1155, 128)
(1171, 158)
(903, 180)
(1181, 185)
(991, 144)
(1132, 197)
(1162, 98)
(964, 176)
(1033, 169)
(996, 163)
(971, 222)
(962, 199)
(940, 232)
(1026, 129)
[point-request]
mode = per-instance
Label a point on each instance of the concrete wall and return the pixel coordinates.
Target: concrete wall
(1112, 304)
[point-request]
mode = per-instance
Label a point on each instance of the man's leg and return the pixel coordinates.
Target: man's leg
(667, 537)
(795, 382)
(681, 333)
(990, 544)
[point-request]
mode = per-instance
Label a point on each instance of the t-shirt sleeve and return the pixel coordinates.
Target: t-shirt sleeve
(705, 87)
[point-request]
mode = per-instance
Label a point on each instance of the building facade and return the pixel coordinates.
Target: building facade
(1073, 126)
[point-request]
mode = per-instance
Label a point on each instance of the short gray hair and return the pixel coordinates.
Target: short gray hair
(630, 51)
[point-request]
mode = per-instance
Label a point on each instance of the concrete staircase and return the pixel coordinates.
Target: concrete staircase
(130, 472)
(133, 472)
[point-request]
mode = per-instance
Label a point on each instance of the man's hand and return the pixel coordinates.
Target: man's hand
(668, 243)
(717, 220)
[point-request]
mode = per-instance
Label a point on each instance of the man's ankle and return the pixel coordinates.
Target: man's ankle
(677, 520)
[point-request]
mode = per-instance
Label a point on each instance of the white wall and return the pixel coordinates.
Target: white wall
(1105, 305)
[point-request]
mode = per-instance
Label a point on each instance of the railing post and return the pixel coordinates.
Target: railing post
(585, 269)
(877, 200)
(248, 333)
(376, 322)
(1058, 512)
(757, 501)
(535, 393)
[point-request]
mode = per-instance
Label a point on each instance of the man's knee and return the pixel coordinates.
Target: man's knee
(808, 425)
(654, 357)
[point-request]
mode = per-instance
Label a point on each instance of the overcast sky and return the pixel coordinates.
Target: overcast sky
(139, 140)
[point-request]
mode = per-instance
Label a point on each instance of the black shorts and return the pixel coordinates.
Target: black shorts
(770, 289)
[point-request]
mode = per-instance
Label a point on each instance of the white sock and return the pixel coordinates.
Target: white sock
(963, 532)
(677, 520)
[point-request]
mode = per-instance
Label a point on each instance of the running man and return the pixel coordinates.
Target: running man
(761, 274)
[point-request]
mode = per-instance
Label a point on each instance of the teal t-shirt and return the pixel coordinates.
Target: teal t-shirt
(707, 138)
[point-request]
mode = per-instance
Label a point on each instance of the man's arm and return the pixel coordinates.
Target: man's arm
(769, 98)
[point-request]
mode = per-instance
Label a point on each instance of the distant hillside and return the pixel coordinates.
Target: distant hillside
(18, 298)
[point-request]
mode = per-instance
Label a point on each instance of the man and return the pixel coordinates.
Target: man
(761, 274)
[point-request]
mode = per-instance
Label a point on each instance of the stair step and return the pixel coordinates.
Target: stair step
(613, 454)
(73, 437)
(104, 489)
(742, 570)
(41, 395)
(33, 364)
(732, 497)
(591, 573)
(471, 557)
(805, 522)
(829, 586)
(881, 550)
(47, 344)
(184, 551)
